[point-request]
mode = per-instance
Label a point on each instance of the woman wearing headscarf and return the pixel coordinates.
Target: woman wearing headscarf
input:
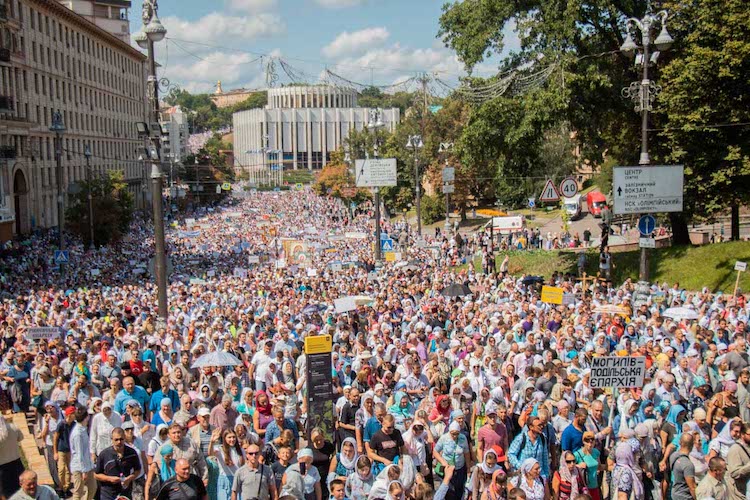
(442, 410)
(498, 489)
(160, 470)
(481, 477)
(625, 479)
(246, 406)
(530, 481)
(364, 413)
(358, 485)
(645, 411)
(453, 449)
(730, 433)
(164, 415)
(626, 420)
(418, 442)
(568, 481)
(402, 411)
(101, 428)
(302, 480)
(343, 463)
(263, 413)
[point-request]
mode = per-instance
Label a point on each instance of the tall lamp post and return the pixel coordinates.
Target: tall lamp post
(58, 127)
(644, 92)
(154, 31)
(444, 148)
(376, 122)
(415, 143)
(87, 154)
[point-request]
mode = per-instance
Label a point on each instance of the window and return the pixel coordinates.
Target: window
(32, 19)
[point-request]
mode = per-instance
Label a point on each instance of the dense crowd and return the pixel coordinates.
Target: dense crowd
(483, 394)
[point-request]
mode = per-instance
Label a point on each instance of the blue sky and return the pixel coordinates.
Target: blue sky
(378, 41)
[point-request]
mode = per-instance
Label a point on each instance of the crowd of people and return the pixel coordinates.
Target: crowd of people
(484, 394)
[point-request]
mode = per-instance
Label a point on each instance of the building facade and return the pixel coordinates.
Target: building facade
(57, 61)
(230, 98)
(109, 15)
(299, 128)
(175, 134)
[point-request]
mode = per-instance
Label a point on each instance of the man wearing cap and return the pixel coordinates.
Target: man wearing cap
(492, 434)
(61, 448)
(200, 434)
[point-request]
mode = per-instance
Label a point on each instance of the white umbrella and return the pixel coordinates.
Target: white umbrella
(216, 358)
(679, 313)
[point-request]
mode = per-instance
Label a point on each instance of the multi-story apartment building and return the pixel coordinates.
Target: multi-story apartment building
(109, 15)
(175, 134)
(299, 128)
(54, 60)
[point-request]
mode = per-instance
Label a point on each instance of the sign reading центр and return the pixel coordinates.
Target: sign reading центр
(615, 371)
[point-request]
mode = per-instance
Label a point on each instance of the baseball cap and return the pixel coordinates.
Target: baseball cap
(203, 412)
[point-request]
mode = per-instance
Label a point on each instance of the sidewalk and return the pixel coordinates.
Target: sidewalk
(34, 460)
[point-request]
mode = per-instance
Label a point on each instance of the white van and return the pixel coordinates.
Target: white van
(572, 207)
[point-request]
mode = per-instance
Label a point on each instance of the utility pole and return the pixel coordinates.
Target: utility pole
(376, 122)
(415, 143)
(87, 154)
(58, 127)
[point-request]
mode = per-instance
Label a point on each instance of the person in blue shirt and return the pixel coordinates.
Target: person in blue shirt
(273, 430)
(149, 354)
(131, 391)
(164, 392)
(572, 437)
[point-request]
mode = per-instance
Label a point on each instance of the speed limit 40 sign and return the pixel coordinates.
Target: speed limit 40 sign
(568, 187)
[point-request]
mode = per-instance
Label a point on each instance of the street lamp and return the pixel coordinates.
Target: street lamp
(444, 148)
(644, 92)
(154, 31)
(87, 154)
(375, 123)
(58, 127)
(415, 143)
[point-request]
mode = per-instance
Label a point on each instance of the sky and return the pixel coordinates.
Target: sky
(378, 42)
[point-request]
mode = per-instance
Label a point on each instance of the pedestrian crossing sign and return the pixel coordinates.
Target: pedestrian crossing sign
(386, 245)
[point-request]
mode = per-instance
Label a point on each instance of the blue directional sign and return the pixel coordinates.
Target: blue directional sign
(386, 245)
(62, 257)
(646, 225)
(532, 202)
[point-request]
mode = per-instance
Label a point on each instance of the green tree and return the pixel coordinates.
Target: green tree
(112, 207)
(707, 83)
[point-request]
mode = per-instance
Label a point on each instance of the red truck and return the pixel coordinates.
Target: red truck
(596, 201)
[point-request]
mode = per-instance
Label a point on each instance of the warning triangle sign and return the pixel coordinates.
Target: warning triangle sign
(549, 193)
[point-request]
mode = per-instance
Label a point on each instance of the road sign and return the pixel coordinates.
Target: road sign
(617, 372)
(386, 245)
(449, 174)
(740, 266)
(646, 225)
(62, 257)
(449, 188)
(647, 243)
(549, 193)
(226, 186)
(532, 202)
(568, 187)
(376, 172)
(650, 189)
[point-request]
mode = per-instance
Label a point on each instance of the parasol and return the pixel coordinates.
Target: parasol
(216, 358)
(680, 313)
(456, 290)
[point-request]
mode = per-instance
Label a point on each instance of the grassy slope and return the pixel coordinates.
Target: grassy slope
(692, 267)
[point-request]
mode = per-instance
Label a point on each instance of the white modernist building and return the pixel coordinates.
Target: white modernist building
(299, 128)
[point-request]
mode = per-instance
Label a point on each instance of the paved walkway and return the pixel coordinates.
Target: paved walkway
(35, 461)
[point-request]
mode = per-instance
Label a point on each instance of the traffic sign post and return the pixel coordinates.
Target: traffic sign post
(386, 245)
(568, 187)
(646, 225)
(549, 193)
(647, 189)
(62, 257)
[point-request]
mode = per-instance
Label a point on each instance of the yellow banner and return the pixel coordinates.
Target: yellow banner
(552, 294)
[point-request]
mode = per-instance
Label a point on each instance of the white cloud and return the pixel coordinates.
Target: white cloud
(202, 75)
(338, 4)
(252, 5)
(217, 27)
(351, 43)
(390, 62)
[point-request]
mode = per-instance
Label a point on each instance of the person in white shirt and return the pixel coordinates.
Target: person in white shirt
(81, 465)
(259, 365)
(101, 429)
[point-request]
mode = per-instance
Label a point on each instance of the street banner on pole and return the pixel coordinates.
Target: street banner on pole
(617, 372)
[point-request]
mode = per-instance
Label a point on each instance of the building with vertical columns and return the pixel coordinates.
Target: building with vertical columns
(299, 128)
(53, 59)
